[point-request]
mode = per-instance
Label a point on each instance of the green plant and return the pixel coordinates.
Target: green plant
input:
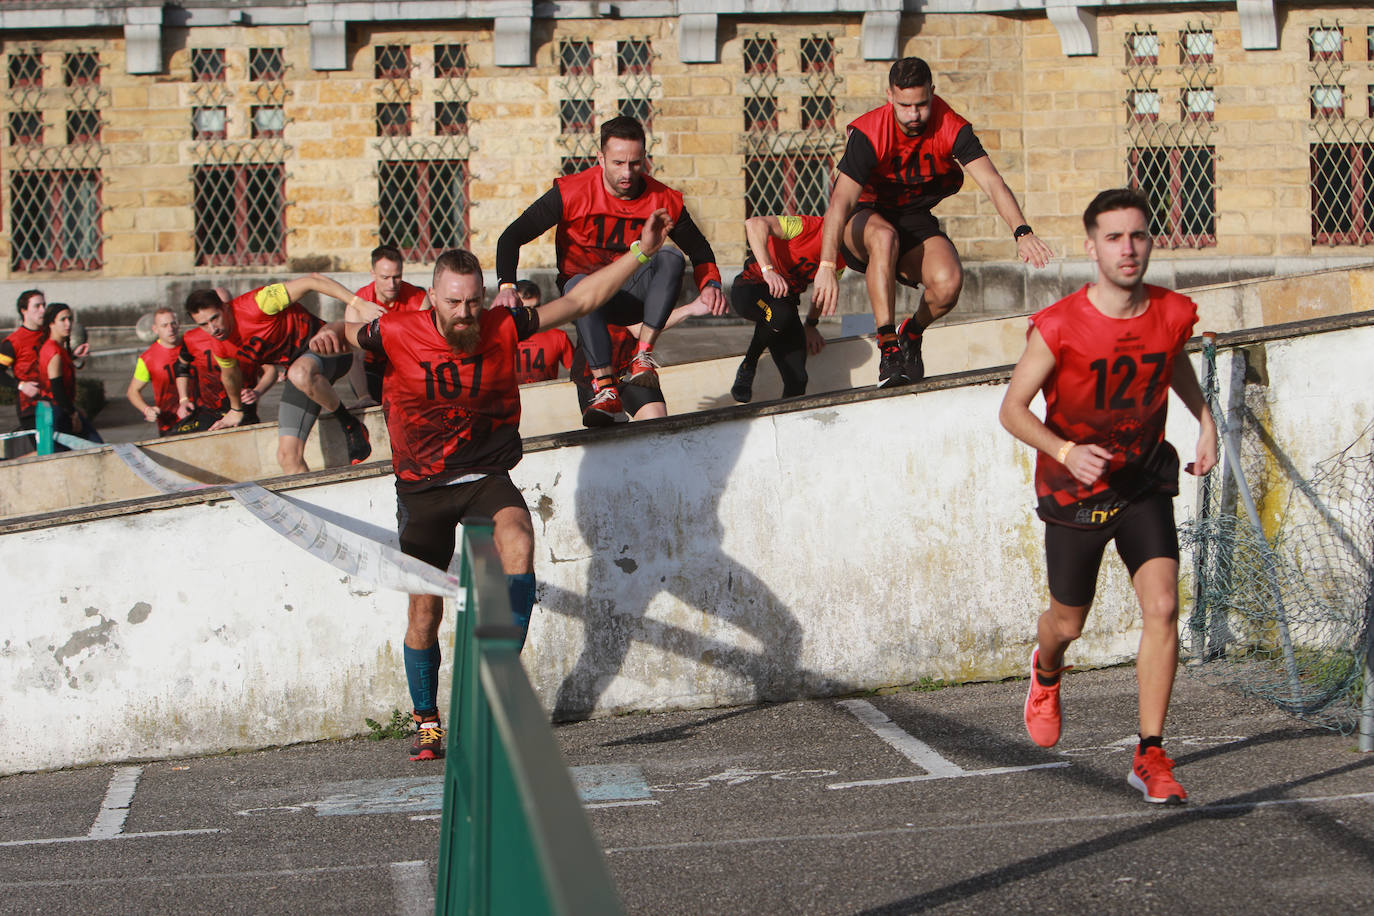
(398, 727)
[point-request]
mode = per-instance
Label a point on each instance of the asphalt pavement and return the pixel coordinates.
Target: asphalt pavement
(910, 801)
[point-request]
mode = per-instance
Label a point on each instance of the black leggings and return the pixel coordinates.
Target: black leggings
(777, 328)
(649, 297)
(1142, 531)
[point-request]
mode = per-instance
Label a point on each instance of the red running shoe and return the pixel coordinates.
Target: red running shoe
(1153, 774)
(604, 409)
(643, 370)
(1044, 717)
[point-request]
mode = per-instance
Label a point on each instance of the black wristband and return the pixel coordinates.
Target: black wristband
(812, 322)
(1021, 230)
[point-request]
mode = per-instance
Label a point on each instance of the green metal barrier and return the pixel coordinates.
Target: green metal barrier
(515, 838)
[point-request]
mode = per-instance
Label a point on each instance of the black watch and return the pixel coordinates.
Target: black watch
(812, 322)
(1021, 230)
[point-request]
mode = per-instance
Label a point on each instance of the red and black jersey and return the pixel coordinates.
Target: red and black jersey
(623, 348)
(1110, 387)
(595, 227)
(795, 258)
(537, 359)
(268, 327)
(19, 355)
(408, 299)
(158, 365)
(449, 414)
(197, 360)
(62, 390)
(898, 172)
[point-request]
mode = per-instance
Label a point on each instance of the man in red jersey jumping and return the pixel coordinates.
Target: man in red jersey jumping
(19, 362)
(598, 212)
(899, 161)
(1105, 358)
(452, 407)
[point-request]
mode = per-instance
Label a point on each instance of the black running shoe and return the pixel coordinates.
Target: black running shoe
(356, 439)
(891, 366)
(911, 350)
(428, 743)
(743, 389)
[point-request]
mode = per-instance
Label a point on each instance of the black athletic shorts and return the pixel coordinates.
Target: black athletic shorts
(913, 228)
(1143, 531)
(427, 520)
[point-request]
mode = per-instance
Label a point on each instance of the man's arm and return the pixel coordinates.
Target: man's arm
(8, 379)
(1029, 248)
(1086, 463)
(843, 196)
(689, 238)
(134, 393)
(359, 308)
(1185, 384)
(232, 378)
(757, 231)
(538, 218)
(593, 291)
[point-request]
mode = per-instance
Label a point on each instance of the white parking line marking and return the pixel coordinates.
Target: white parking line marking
(917, 751)
(411, 888)
(114, 810)
(151, 834)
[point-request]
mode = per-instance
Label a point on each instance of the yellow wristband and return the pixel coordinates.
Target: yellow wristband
(824, 264)
(637, 252)
(506, 285)
(1064, 452)
(767, 267)
(185, 400)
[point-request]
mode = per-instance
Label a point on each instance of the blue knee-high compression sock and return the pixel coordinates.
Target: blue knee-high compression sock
(521, 589)
(422, 674)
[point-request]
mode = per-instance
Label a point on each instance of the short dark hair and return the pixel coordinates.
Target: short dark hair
(622, 128)
(528, 289)
(457, 261)
(50, 314)
(909, 73)
(386, 253)
(24, 298)
(200, 300)
(1114, 199)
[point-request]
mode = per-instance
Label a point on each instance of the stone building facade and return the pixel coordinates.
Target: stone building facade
(147, 143)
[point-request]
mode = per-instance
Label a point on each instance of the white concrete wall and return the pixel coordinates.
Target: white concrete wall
(874, 541)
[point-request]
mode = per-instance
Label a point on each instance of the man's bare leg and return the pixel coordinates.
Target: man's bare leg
(1156, 587)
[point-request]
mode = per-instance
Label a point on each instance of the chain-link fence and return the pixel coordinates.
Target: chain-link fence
(788, 169)
(1172, 157)
(55, 180)
(1341, 139)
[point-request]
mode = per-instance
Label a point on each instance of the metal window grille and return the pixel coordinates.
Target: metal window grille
(207, 65)
(634, 68)
(391, 62)
(26, 69)
(209, 123)
(80, 68)
(55, 217)
(268, 121)
(633, 56)
(450, 61)
(424, 206)
(576, 108)
(1172, 160)
(788, 170)
(1340, 145)
(422, 182)
(83, 126)
(393, 119)
(642, 110)
(26, 128)
(240, 213)
(266, 64)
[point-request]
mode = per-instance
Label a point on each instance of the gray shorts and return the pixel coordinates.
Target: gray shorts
(296, 416)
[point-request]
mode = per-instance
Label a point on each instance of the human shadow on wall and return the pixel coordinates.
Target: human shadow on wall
(641, 534)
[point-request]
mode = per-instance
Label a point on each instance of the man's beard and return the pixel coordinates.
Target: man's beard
(465, 340)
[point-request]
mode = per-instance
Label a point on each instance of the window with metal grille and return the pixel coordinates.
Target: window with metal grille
(393, 119)
(575, 58)
(450, 118)
(633, 56)
(1196, 47)
(1370, 97)
(575, 116)
(642, 110)
(450, 61)
(571, 165)
(83, 126)
(240, 214)
(26, 69)
(268, 121)
(81, 68)
(817, 55)
(786, 184)
(207, 65)
(1142, 48)
(1143, 105)
(26, 128)
(1325, 43)
(1198, 104)
(209, 123)
(265, 64)
(817, 113)
(1342, 193)
(423, 206)
(1180, 184)
(760, 113)
(55, 220)
(1328, 102)
(391, 62)
(760, 55)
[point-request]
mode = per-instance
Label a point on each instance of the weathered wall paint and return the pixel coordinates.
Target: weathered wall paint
(760, 556)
